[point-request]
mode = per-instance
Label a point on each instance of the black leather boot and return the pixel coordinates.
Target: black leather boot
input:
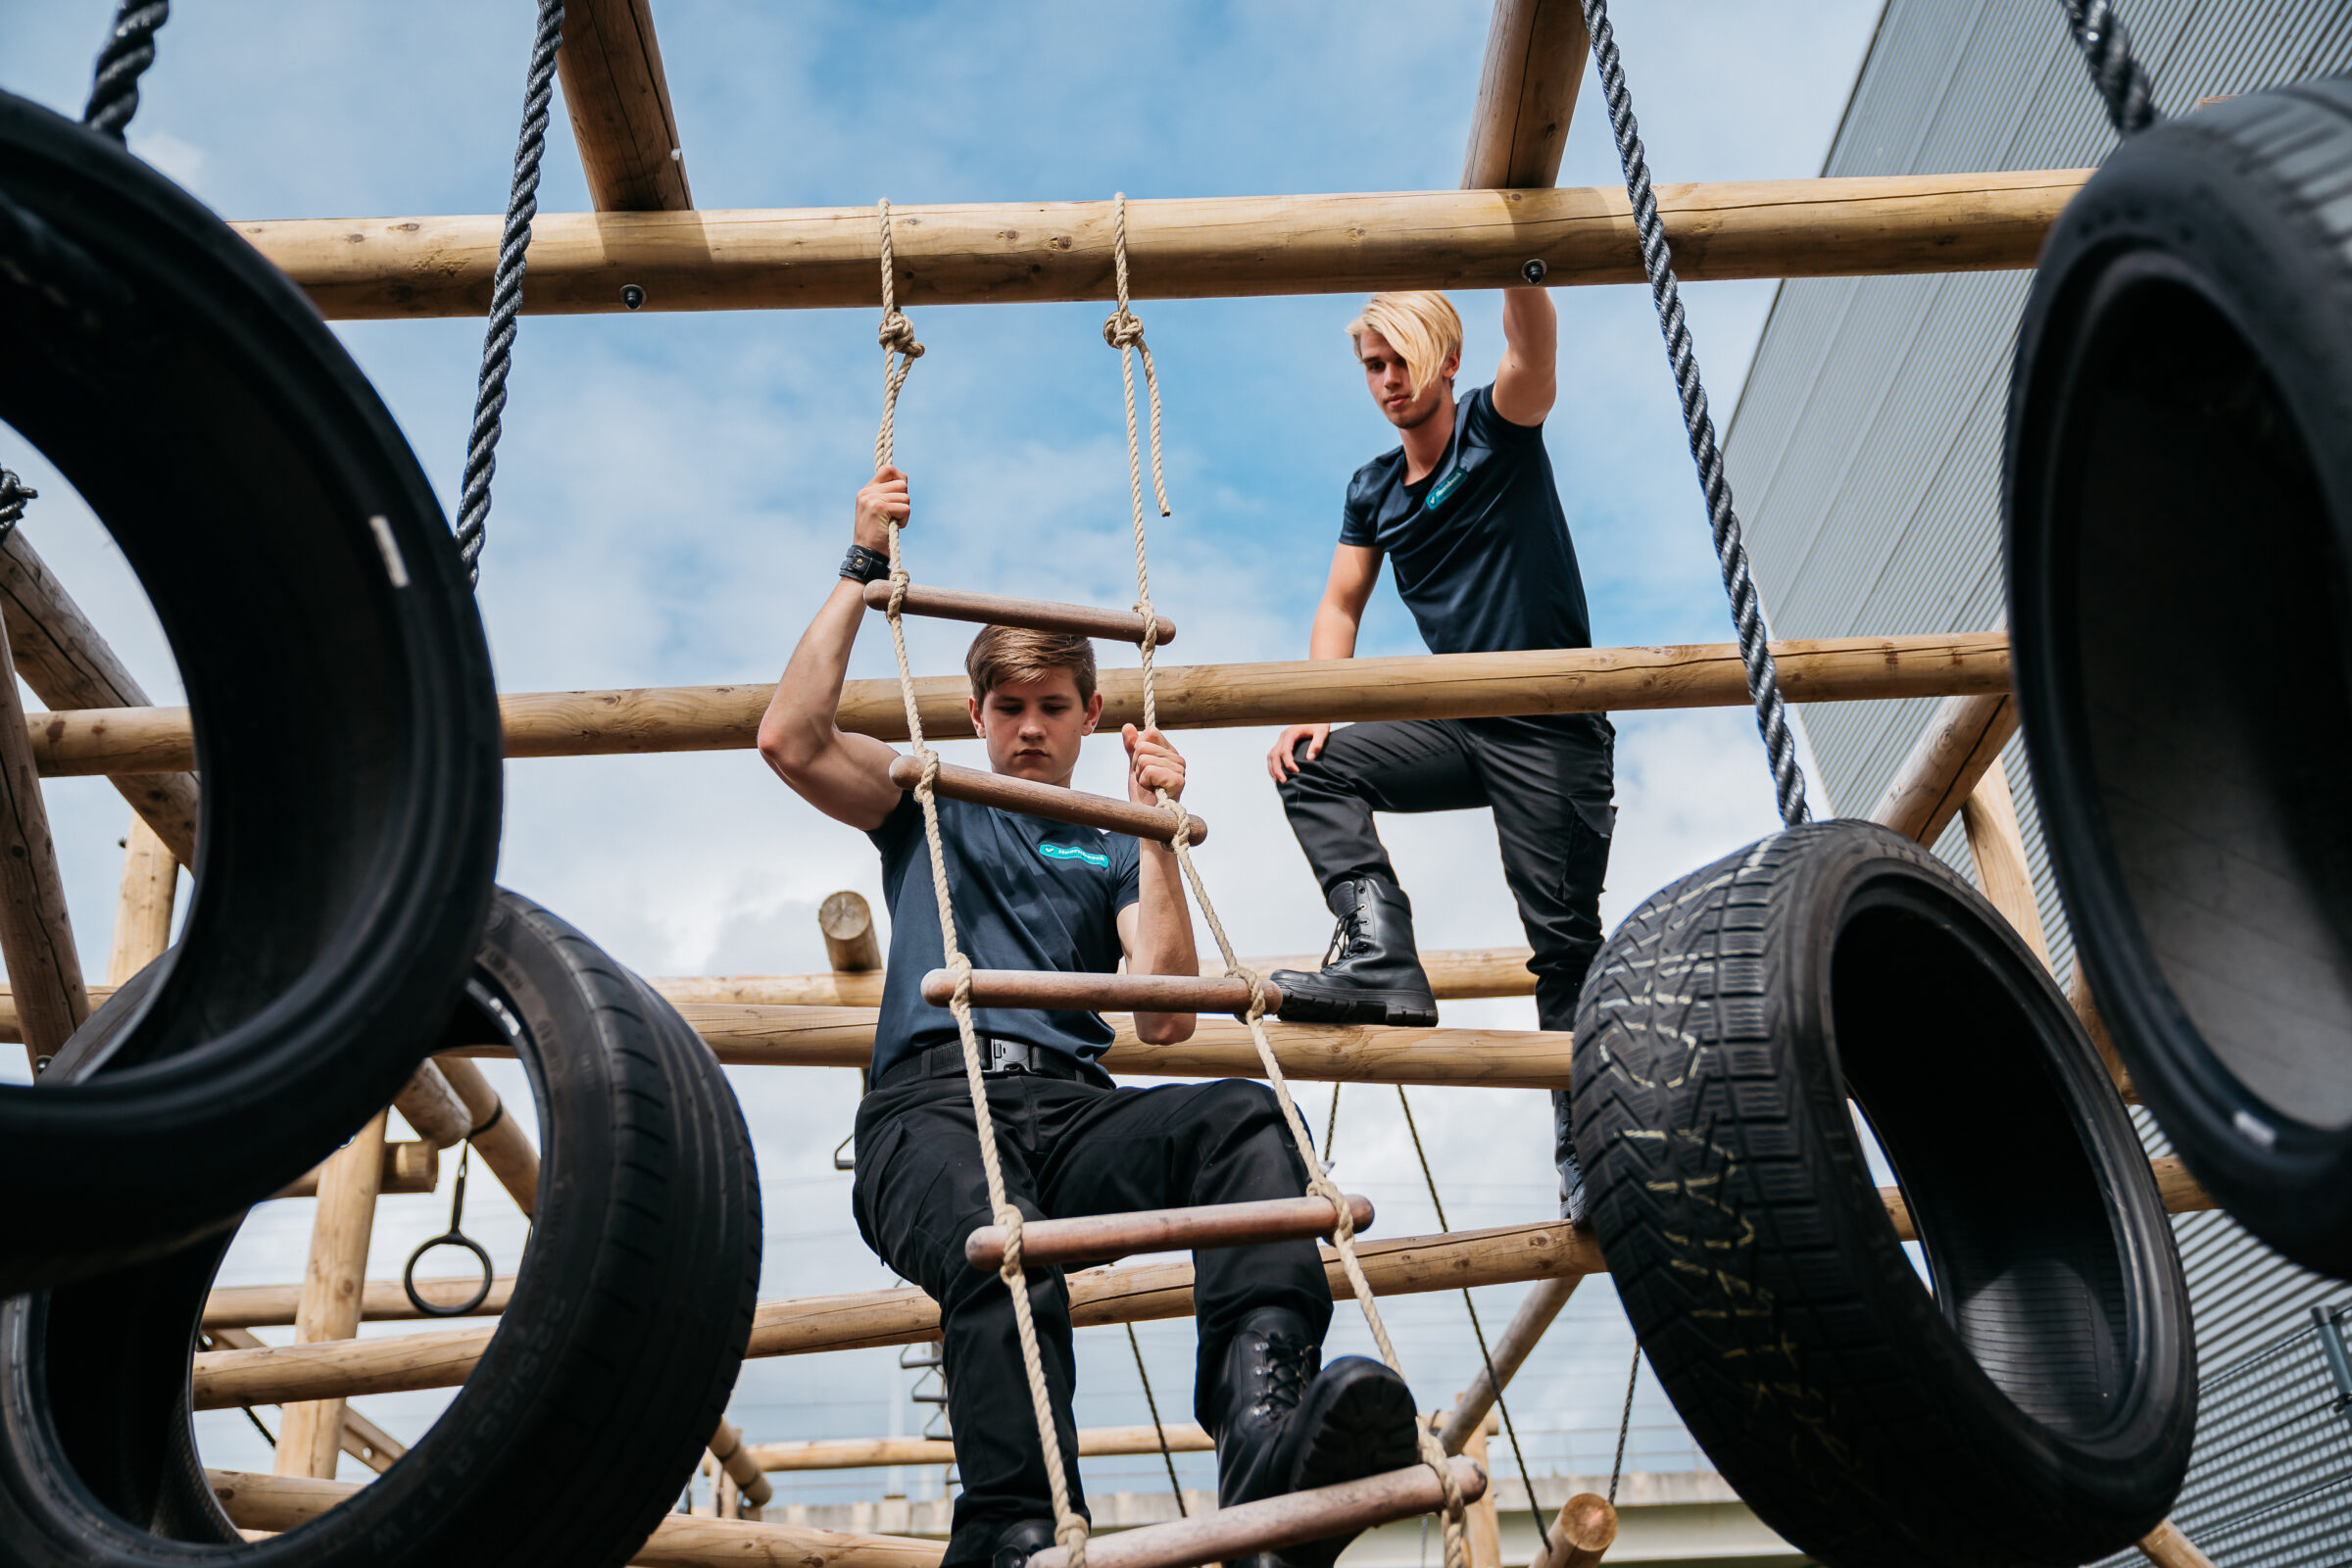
(1371, 974)
(1563, 1153)
(1283, 1426)
(1020, 1541)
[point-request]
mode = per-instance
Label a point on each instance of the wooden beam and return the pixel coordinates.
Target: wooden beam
(2173, 1184)
(1998, 846)
(357, 268)
(69, 666)
(1535, 53)
(37, 934)
(1063, 990)
(1581, 1536)
(613, 86)
(500, 1140)
(363, 1439)
(847, 923)
(1482, 1525)
(1962, 740)
(742, 1468)
(310, 1437)
(432, 1106)
(1231, 1534)
(1511, 1352)
(1099, 1238)
(253, 1307)
(876, 1453)
(143, 906)
(1567, 680)
(272, 1504)
(1038, 615)
(1129, 1293)
(407, 1168)
(1057, 803)
(2166, 1547)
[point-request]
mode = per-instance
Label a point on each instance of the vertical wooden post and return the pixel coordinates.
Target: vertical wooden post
(1994, 842)
(1486, 1524)
(143, 911)
(312, 1435)
(37, 939)
(847, 924)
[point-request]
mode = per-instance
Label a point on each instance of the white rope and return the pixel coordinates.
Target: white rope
(900, 350)
(1125, 332)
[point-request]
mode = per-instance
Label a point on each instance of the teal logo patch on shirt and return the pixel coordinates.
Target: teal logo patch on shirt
(1445, 487)
(1071, 852)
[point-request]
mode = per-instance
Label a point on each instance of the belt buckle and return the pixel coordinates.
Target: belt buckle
(1008, 1058)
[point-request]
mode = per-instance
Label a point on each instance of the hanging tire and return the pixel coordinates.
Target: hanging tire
(587, 1412)
(2179, 542)
(2036, 1406)
(345, 722)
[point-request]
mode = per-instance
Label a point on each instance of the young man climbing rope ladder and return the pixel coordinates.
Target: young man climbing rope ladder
(1467, 511)
(1039, 895)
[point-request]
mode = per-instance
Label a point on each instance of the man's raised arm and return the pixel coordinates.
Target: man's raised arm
(845, 777)
(1527, 381)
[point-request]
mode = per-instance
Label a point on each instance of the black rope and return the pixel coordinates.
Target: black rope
(1625, 1423)
(1731, 551)
(129, 50)
(505, 289)
(2106, 45)
(14, 493)
(1165, 1456)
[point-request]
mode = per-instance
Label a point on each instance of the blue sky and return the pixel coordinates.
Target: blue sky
(673, 490)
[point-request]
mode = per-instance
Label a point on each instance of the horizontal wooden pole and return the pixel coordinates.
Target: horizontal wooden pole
(1192, 248)
(876, 1453)
(2173, 1184)
(1099, 1237)
(1057, 803)
(1562, 680)
(1454, 974)
(260, 1306)
(1234, 1532)
(1130, 1294)
(409, 1166)
(1063, 990)
(276, 1503)
(1037, 615)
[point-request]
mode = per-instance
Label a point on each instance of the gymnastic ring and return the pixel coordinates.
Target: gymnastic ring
(426, 1308)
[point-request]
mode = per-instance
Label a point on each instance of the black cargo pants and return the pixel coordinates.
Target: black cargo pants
(1549, 782)
(1068, 1148)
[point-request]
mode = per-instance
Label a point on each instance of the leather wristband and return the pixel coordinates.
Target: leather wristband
(861, 565)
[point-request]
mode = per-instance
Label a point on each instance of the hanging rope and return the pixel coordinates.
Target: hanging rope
(1486, 1357)
(900, 350)
(1124, 332)
(129, 50)
(1625, 1423)
(1165, 1456)
(1731, 549)
(2106, 45)
(505, 289)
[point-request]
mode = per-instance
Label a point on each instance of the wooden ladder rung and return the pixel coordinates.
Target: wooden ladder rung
(1038, 615)
(1231, 1534)
(1101, 1237)
(1052, 801)
(1059, 990)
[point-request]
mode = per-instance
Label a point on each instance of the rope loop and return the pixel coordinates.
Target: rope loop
(1123, 328)
(897, 336)
(900, 581)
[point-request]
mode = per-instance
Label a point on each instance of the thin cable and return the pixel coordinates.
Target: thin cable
(505, 289)
(1731, 549)
(129, 50)
(1165, 1458)
(1486, 1357)
(1331, 1128)
(2106, 45)
(1625, 1423)
(1124, 332)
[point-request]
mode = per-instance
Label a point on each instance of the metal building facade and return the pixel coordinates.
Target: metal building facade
(1865, 453)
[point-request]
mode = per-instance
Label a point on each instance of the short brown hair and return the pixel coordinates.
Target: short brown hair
(1002, 655)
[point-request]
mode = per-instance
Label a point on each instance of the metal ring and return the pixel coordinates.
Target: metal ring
(407, 1276)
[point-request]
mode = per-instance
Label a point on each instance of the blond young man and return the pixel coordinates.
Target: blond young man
(1035, 894)
(1467, 512)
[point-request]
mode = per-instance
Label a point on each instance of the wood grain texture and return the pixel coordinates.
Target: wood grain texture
(1099, 1237)
(1038, 615)
(36, 933)
(310, 1440)
(69, 666)
(618, 100)
(2166, 1547)
(1055, 803)
(500, 1140)
(1582, 1535)
(1130, 1294)
(1990, 818)
(143, 906)
(1231, 1534)
(847, 923)
(1063, 990)
(875, 1454)
(1483, 1526)
(1188, 248)
(1535, 51)
(1962, 739)
(407, 1168)
(1565, 680)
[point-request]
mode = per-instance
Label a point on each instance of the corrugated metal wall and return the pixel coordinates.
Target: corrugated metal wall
(1866, 448)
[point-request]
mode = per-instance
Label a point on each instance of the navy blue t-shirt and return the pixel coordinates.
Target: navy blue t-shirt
(1029, 894)
(1480, 547)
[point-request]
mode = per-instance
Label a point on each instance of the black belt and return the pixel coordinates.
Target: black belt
(999, 1058)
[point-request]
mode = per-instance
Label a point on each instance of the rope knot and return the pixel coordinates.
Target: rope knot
(1123, 328)
(1008, 1220)
(958, 964)
(900, 581)
(896, 334)
(1070, 1535)
(1257, 991)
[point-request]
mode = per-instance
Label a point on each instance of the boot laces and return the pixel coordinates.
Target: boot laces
(1286, 1361)
(1345, 936)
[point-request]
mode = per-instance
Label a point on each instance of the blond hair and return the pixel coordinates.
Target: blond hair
(1015, 654)
(1420, 324)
